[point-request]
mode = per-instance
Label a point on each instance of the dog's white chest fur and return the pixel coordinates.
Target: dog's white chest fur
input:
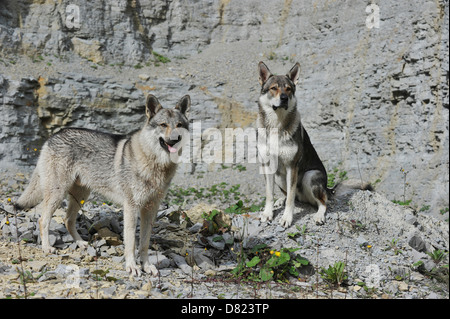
(287, 148)
(282, 143)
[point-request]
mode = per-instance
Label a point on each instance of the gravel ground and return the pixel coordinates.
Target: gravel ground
(377, 240)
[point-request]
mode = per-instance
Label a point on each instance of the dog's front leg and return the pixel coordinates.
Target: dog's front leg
(268, 209)
(291, 182)
(129, 234)
(148, 214)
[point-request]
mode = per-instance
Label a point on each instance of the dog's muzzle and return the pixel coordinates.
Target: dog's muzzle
(284, 99)
(284, 102)
(284, 106)
(169, 144)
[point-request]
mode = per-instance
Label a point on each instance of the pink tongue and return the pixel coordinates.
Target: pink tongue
(171, 149)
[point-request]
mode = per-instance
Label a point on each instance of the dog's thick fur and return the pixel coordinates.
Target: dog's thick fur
(300, 173)
(134, 171)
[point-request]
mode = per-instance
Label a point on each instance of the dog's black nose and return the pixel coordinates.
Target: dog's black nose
(284, 97)
(176, 138)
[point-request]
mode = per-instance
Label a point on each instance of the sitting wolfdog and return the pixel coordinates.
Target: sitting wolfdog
(134, 171)
(300, 173)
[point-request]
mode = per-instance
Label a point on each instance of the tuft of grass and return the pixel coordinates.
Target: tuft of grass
(402, 203)
(335, 274)
(337, 175)
(437, 255)
(160, 58)
(393, 245)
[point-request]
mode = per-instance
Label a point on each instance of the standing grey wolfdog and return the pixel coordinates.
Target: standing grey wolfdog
(300, 173)
(134, 171)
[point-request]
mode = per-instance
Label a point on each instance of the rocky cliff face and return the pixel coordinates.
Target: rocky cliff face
(373, 92)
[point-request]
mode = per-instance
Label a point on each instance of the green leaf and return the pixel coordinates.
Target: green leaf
(100, 272)
(284, 257)
(293, 271)
(275, 261)
(300, 261)
(265, 274)
(255, 260)
(213, 214)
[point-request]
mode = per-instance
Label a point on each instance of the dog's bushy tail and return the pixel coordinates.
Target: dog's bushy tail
(347, 187)
(32, 195)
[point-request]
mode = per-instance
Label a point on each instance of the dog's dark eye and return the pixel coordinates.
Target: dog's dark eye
(274, 88)
(179, 125)
(163, 125)
(288, 89)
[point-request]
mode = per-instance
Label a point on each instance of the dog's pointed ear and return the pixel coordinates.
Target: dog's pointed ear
(152, 106)
(294, 73)
(184, 105)
(264, 73)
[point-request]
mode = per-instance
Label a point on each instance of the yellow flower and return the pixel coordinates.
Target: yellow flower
(369, 246)
(277, 253)
(7, 222)
(82, 202)
(271, 252)
(9, 199)
(35, 149)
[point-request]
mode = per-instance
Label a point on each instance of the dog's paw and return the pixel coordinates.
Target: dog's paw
(82, 244)
(319, 218)
(133, 269)
(49, 250)
(286, 219)
(267, 215)
(150, 269)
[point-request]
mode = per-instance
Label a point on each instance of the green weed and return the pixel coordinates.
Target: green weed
(160, 58)
(392, 245)
(100, 274)
(337, 175)
(262, 264)
(335, 274)
(402, 203)
(437, 255)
